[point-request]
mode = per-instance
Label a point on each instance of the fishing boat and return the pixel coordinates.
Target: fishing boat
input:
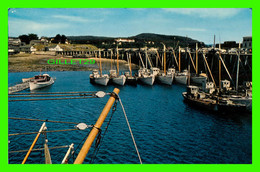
(118, 79)
(227, 105)
(181, 77)
(199, 79)
(166, 77)
(97, 78)
(199, 99)
(146, 77)
(41, 81)
(130, 79)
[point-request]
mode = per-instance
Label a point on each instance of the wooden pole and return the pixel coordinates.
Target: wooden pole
(237, 76)
(100, 66)
(209, 70)
(130, 64)
(191, 60)
(197, 60)
(219, 74)
(179, 59)
(158, 56)
(33, 144)
(164, 61)
(111, 60)
(173, 52)
(92, 135)
(117, 64)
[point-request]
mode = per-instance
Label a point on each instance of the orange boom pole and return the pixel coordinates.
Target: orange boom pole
(92, 135)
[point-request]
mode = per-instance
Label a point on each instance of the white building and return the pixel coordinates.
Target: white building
(55, 48)
(124, 40)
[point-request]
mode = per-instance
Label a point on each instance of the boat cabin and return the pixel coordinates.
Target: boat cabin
(112, 73)
(225, 84)
(95, 72)
(208, 87)
(171, 70)
(42, 78)
(155, 70)
(192, 89)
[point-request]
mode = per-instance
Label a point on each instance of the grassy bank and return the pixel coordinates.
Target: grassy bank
(34, 63)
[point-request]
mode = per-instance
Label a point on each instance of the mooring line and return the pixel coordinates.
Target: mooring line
(130, 130)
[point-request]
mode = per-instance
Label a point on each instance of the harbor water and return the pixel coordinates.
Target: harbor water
(166, 130)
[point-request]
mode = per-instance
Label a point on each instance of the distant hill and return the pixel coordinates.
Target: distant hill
(143, 39)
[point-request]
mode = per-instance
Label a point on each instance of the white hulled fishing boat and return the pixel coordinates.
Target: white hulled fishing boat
(166, 77)
(118, 79)
(181, 77)
(40, 81)
(97, 78)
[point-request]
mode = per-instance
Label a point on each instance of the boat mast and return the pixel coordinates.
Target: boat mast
(179, 59)
(219, 61)
(117, 64)
(205, 60)
(130, 65)
(164, 61)
(146, 57)
(197, 60)
(111, 59)
(100, 66)
(238, 58)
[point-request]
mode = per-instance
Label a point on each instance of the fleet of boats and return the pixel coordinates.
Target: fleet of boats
(208, 95)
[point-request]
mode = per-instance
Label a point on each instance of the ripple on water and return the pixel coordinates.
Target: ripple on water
(166, 129)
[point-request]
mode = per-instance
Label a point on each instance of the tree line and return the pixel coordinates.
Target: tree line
(31, 36)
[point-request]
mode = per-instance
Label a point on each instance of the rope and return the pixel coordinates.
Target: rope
(54, 92)
(73, 152)
(17, 134)
(129, 129)
(64, 95)
(42, 120)
(51, 99)
(98, 143)
(39, 149)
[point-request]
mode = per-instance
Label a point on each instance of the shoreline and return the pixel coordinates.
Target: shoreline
(35, 63)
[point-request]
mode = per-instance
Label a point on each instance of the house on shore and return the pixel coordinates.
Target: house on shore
(54, 48)
(27, 49)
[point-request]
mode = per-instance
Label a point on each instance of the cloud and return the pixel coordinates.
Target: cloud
(71, 18)
(192, 29)
(74, 18)
(21, 26)
(206, 12)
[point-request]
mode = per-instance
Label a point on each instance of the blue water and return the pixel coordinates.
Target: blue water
(167, 131)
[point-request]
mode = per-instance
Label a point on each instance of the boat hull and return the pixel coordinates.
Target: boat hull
(206, 105)
(165, 80)
(131, 81)
(245, 101)
(119, 80)
(198, 79)
(101, 81)
(181, 79)
(149, 80)
(34, 86)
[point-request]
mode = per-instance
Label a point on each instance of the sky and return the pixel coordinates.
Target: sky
(228, 24)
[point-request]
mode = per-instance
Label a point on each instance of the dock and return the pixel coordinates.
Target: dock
(18, 87)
